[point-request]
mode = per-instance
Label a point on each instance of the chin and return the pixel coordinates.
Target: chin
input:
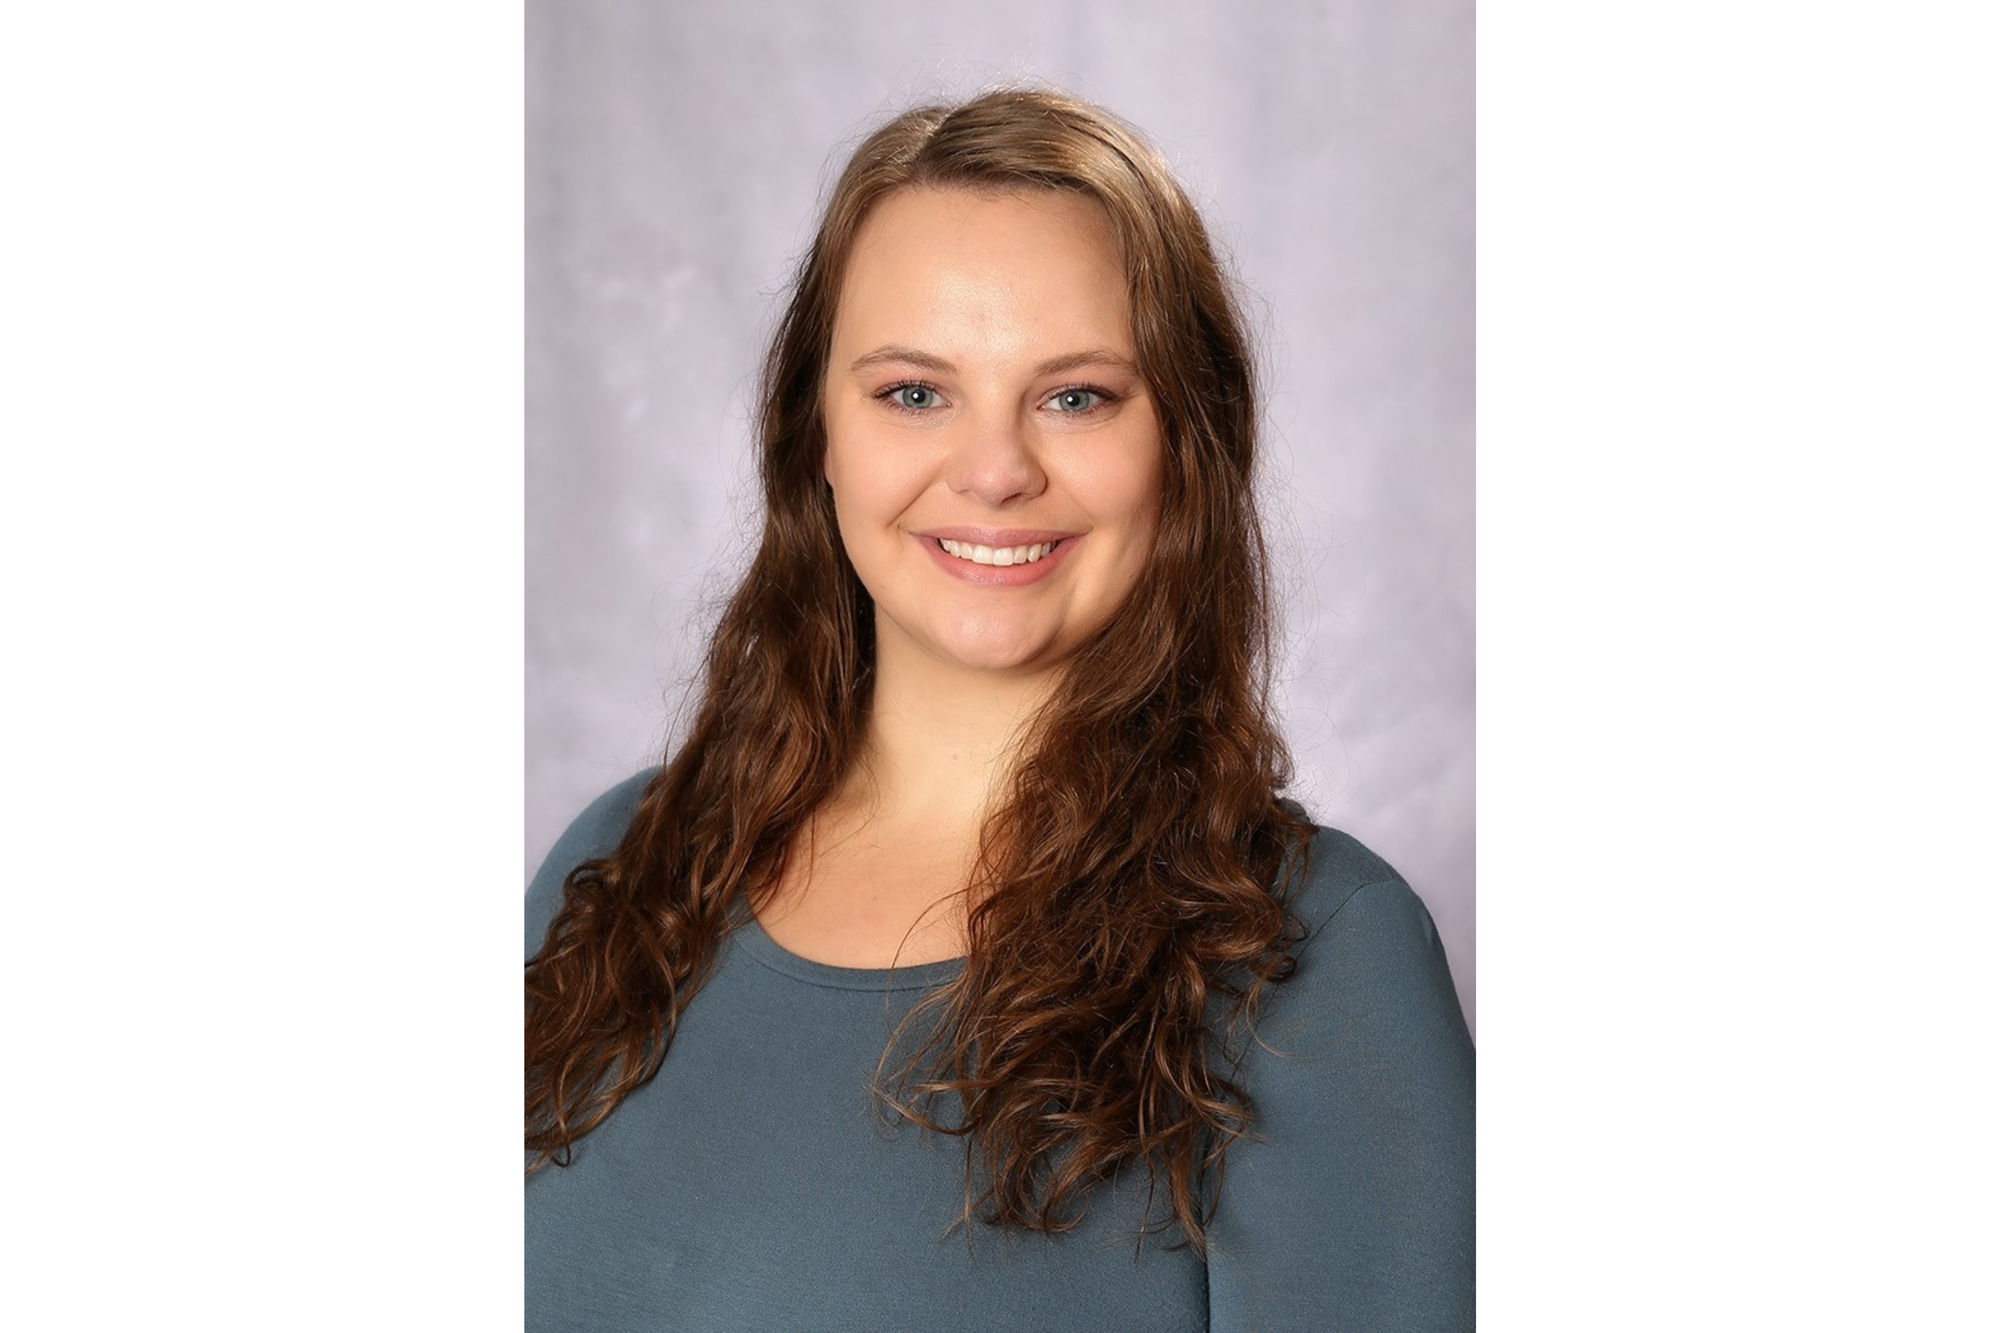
(986, 657)
(994, 652)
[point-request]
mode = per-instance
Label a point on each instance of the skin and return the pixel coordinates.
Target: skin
(943, 410)
(995, 286)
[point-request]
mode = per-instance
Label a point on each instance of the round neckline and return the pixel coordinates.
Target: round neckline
(916, 976)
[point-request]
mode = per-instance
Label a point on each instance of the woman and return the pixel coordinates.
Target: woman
(964, 965)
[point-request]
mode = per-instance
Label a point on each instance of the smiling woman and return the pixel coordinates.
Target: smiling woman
(1042, 472)
(971, 901)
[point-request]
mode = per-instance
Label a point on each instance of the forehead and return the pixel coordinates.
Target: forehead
(968, 273)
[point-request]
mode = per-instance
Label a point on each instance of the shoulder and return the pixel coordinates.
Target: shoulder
(596, 831)
(1343, 887)
(1350, 1202)
(1370, 952)
(591, 835)
(1337, 868)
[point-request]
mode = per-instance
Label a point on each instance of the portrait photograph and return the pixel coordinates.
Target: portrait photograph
(1011, 599)
(1000, 666)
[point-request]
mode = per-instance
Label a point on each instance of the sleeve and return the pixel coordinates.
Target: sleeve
(1351, 1204)
(592, 834)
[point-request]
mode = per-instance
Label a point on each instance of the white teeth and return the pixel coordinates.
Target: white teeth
(1005, 556)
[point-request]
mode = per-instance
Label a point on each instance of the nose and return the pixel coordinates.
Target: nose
(993, 462)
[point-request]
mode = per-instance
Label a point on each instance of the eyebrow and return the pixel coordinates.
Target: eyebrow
(910, 356)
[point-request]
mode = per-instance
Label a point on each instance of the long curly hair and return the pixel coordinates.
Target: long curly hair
(1128, 906)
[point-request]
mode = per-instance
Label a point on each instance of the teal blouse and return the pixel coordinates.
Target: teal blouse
(754, 1184)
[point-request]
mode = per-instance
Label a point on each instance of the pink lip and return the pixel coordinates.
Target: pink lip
(998, 576)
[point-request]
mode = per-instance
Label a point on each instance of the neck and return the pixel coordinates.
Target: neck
(942, 739)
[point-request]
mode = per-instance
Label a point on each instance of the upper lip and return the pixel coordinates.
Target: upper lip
(995, 537)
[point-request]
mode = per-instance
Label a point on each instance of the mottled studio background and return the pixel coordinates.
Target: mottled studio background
(676, 152)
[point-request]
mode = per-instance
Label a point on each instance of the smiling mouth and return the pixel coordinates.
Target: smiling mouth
(996, 555)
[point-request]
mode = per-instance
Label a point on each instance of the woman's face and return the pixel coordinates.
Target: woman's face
(994, 456)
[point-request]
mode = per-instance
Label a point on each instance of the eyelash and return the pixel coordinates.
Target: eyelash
(888, 396)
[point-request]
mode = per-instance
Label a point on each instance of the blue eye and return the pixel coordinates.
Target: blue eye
(912, 397)
(1076, 400)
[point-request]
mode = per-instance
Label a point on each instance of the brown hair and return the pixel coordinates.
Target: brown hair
(1117, 954)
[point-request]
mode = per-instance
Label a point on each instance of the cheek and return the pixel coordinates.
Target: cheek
(867, 487)
(1122, 488)
(873, 482)
(1135, 493)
